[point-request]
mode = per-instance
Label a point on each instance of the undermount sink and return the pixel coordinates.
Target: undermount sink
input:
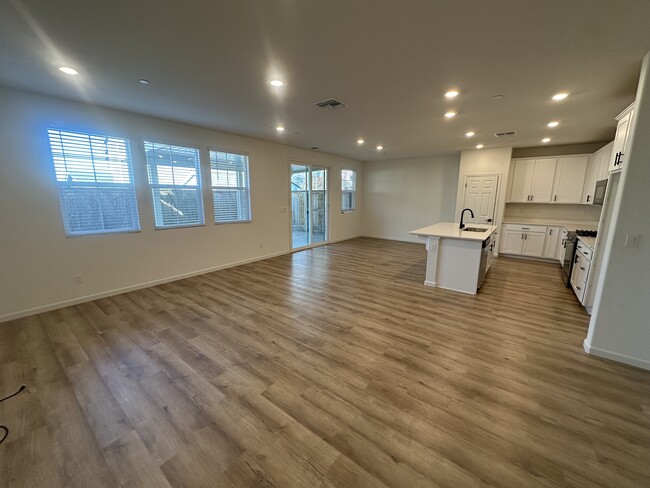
(474, 229)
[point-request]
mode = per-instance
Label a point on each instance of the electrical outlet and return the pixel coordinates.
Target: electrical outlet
(283, 209)
(632, 240)
(78, 279)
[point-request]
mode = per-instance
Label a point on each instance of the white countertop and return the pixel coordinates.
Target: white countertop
(589, 241)
(570, 225)
(450, 230)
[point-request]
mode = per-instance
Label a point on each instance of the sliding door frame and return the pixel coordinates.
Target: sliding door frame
(328, 220)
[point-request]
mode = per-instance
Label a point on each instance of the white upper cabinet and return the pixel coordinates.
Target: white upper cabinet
(569, 179)
(593, 168)
(620, 141)
(522, 180)
(532, 180)
(542, 187)
(597, 169)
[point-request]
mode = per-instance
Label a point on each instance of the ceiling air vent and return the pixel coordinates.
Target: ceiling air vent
(505, 134)
(331, 104)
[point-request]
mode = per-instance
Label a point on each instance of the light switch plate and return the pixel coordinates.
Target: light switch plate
(632, 240)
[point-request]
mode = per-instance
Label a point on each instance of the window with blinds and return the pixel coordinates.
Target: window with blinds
(175, 181)
(94, 177)
(230, 187)
(348, 189)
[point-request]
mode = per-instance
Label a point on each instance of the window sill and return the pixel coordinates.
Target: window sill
(170, 227)
(235, 222)
(348, 211)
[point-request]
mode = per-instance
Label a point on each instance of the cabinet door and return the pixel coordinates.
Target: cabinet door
(593, 168)
(550, 245)
(559, 250)
(521, 180)
(534, 244)
(605, 158)
(570, 179)
(543, 177)
(513, 242)
(618, 150)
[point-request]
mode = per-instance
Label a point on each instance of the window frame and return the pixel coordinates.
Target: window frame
(352, 192)
(198, 187)
(131, 185)
(238, 188)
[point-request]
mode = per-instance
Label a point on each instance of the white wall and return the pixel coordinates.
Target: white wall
(620, 322)
(37, 261)
(403, 195)
(485, 161)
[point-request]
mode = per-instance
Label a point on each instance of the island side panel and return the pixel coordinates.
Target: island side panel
(458, 264)
(431, 278)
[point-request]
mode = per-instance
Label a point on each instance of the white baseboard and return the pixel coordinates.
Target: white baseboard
(391, 238)
(432, 284)
(614, 356)
(96, 296)
(117, 291)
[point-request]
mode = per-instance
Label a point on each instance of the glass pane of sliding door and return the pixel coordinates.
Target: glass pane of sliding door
(308, 205)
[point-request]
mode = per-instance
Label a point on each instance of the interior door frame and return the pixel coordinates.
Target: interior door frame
(496, 198)
(328, 221)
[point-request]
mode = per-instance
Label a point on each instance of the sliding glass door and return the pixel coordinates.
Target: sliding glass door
(308, 205)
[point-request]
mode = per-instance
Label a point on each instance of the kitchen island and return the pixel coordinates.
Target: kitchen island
(457, 259)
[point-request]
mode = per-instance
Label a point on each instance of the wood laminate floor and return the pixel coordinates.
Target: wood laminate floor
(332, 367)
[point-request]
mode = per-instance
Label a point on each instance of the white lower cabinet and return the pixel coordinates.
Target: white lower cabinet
(580, 275)
(534, 244)
(524, 240)
(550, 244)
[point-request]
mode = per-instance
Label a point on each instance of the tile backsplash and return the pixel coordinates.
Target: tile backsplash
(553, 211)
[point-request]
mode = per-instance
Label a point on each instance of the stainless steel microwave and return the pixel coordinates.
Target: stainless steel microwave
(599, 192)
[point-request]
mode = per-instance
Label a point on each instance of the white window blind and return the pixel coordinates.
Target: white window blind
(94, 176)
(230, 187)
(175, 180)
(348, 189)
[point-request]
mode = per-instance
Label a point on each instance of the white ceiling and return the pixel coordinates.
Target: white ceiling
(390, 61)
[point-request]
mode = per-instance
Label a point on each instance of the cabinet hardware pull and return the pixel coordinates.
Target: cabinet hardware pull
(588, 198)
(582, 268)
(578, 288)
(555, 198)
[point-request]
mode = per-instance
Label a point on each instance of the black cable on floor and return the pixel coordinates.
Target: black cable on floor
(2, 400)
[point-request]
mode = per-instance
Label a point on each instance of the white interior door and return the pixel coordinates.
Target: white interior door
(481, 197)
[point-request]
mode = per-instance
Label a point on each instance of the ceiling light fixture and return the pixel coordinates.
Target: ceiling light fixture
(68, 71)
(555, 123)
(277, 82)
(546, 139)
(279, 128)
(379, 148)
(450, 115)
(479, 146)
(360, 141)
(470, 134)
(452, 94)
(142, 81)
(560, 96)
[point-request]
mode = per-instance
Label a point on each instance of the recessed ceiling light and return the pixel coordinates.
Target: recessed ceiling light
(560, 96)
(452, 94)
(479, 146)
(450, 115)
(279, 128)
(360, 141)
(68, 71)
(277, 82)
(379, 148)
(546, 139)
(555, 123)
(142, 81)
(470, 134)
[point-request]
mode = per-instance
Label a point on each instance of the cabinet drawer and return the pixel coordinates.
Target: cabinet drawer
(525, 228)
(586, 251)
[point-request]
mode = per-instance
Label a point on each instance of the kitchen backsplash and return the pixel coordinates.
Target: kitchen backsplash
(553, 211)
